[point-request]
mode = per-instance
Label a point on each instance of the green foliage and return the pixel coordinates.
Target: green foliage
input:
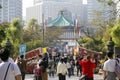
(115, 33)
(3, 28)
(32, 23)
(95, 44)
(33, 44)
(52, 35)
(14, 33)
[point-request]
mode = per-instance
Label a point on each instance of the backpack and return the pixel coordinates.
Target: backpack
(117, 68)
(22, 66)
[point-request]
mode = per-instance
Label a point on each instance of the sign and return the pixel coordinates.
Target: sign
(44, 50)
(22, 49)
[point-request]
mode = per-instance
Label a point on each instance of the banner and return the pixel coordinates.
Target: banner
(22, 49)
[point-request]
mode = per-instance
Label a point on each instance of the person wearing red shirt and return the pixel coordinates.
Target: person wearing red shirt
(87, 67)
(38, 72)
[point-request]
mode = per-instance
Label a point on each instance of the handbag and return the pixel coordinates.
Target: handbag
(7, 71)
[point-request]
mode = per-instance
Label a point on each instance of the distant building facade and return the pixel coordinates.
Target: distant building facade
(49, 9)
(10, 9)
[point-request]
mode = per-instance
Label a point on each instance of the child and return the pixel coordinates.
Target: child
(38, 73)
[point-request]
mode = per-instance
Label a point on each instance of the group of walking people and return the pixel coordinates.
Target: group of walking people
(60, 65)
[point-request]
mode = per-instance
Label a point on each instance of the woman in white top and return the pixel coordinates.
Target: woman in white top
(61, 70)
(8, 70)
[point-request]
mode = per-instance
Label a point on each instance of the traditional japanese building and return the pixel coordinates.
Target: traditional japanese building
(69, 36)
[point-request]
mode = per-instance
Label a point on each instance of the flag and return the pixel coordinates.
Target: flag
(76, 30)
(44, 25)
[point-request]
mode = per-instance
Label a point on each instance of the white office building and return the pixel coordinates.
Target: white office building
(10, 9)
(118, 8)
(94, 6)
(49, 9)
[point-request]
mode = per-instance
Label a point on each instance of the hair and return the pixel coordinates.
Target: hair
(117, 56)
(88, 57)
(62, 60)
(40, 56)
(110, 54)
(4, 54)
(21, 56)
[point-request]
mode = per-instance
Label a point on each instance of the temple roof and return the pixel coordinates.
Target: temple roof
(61, 20)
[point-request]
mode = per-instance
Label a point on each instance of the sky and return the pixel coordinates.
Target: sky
(28, 3)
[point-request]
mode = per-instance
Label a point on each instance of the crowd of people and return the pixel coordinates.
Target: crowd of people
(60, 65)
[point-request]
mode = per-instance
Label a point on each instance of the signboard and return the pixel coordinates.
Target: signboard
(44, 50)
(22, 49)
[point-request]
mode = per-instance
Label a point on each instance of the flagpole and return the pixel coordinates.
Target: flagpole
(43, 28)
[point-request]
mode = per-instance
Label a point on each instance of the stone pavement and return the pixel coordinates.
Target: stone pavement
(96, 77)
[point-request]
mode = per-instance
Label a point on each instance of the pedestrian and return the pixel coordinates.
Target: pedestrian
(40, 59)
(61, 70)
(88, 66)
(22, 65)
(72, 62)
(109, 68)
(38, 72)
(79, 67)
(8, 70)
(69, 68)
(51, 67)
(44, 66)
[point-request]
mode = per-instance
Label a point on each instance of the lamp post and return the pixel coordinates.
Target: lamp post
(110, 45)
(8, 45)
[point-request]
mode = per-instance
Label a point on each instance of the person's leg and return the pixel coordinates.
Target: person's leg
(60, 77)
(23, 76)
(52, 73)
(63, 77)
(46, 76)
(49, 72)
(89, 79)
(39, 78)
(69, 72)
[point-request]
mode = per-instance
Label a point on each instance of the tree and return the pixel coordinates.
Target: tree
(102, 24)
(14, 33)
(32, 32)
(115, 33)
(52, 35)
(3, 28)
(34, 35)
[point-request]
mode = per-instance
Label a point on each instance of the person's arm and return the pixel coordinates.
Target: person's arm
(104, 74)
(18, 77)
(105, 69)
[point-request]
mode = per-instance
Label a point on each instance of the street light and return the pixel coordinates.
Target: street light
(110, 45)
(8, 45)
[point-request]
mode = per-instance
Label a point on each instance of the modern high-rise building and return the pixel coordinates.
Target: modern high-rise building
(118, 8)
(49, 9)
(10, 9)
(99, 10)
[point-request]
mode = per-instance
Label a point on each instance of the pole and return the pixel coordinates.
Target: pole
(43, 27)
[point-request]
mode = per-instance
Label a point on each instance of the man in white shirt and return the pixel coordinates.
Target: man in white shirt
(13, 72)
(109, 68)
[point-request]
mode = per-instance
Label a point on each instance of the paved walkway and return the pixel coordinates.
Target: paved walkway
(96, 77)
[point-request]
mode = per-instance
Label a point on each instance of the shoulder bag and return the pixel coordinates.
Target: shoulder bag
(7, 71)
